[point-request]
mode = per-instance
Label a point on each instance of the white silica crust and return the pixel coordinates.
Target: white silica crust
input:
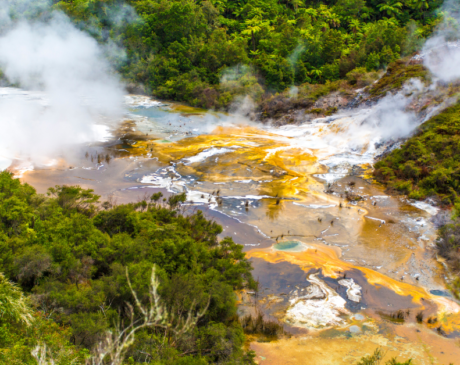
(319, 307)
(353, 289)
(206, 154)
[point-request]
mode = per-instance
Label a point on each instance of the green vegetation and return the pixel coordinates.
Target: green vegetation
(72, 260)
(397, 74)
(376, 359)
(206, 52)
(304, 96)
(428, 164)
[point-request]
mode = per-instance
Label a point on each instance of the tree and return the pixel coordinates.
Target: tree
(355, 25)
(73, 265)
(391, 9)
(420, 4)
(74, 198)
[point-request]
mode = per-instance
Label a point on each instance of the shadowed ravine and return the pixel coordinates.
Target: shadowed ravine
(339, 262)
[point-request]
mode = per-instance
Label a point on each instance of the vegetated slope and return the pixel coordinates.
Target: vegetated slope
(313, 100)
(71, 260)
(207, 52)
(398, 73)
(428, 164)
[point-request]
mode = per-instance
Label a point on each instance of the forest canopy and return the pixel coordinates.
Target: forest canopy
(207, 52)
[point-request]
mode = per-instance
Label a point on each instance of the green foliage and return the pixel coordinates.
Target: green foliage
(373, 359)
(428, 164)
(19, 342)
(13, 306)
(21, 330)
(185, 49)
(359, 77)
(75, 199)
(71, 258)
(281, 103)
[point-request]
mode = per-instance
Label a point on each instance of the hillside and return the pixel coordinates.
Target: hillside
(206, 53)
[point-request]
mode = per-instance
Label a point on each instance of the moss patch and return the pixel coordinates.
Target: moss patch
(397, 74)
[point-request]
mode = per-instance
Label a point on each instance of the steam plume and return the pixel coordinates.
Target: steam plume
(442, 50)
(78, 85)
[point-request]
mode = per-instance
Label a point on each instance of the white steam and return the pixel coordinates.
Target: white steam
(78, 87)
(441, 52)
(389, 118)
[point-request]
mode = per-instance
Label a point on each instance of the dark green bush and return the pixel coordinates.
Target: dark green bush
(70, 257)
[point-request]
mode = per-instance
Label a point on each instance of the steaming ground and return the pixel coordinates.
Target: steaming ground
(302, 236)
(441, 52)
(75, 89)
(341, 142)
(266, 187)
(30, 139)
(78, 90)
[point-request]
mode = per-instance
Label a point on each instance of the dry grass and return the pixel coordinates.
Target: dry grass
(258, 325)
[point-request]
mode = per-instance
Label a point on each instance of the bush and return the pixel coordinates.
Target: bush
(376, 358)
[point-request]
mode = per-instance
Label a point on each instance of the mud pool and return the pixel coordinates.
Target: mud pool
(344, 266)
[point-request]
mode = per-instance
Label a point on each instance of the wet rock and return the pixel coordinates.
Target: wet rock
(333, 100)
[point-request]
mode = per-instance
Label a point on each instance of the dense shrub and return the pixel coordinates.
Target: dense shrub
(71, 258)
